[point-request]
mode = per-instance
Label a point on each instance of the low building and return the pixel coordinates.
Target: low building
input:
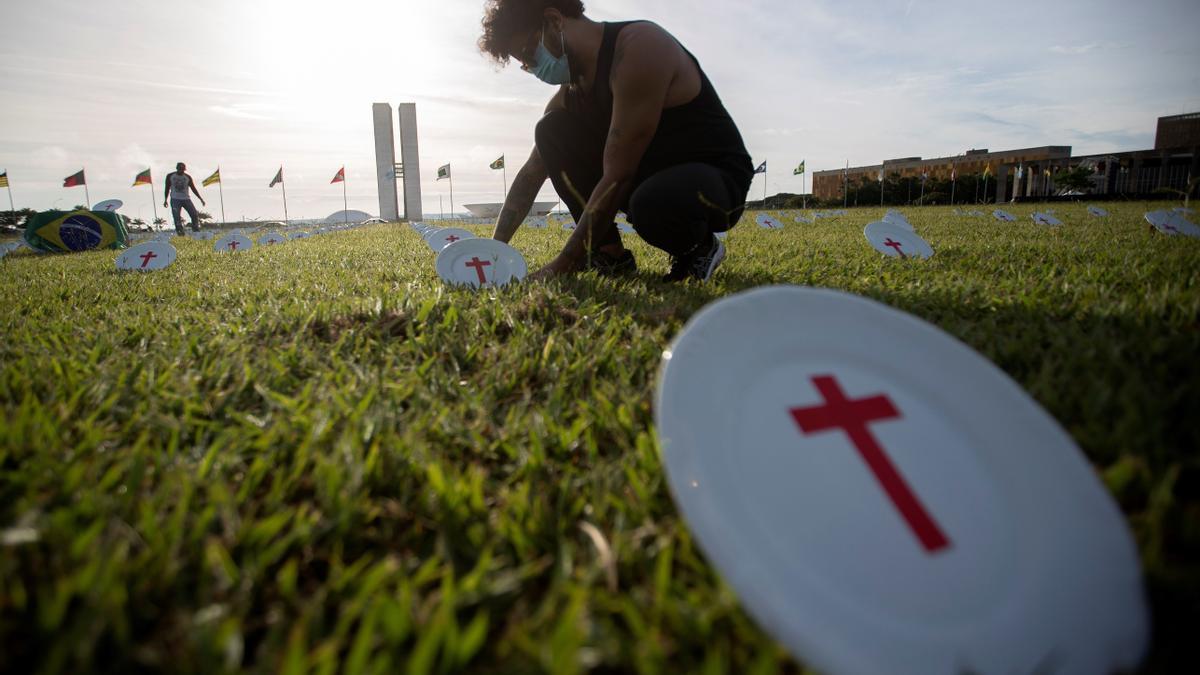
(1171, 165)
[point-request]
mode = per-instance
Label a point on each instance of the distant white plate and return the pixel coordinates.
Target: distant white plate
(768, 222)
(109, 205)
(1173, 223)
(1097, 211)
(896, 242)
(147, 257)
(440, 239)
(1046, 219)
(898, 219)
(233, 243)
(271, 239)
(883, 499)
(480, 262)
(1004, 216)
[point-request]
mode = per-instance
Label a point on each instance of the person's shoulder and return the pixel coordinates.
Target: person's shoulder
(647, 40)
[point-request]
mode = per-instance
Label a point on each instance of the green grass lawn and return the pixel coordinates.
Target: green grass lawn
(317, 458)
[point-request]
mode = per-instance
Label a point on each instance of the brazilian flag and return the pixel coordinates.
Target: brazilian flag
(73, 231)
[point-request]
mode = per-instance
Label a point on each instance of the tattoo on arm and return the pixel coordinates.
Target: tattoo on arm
(520, 199)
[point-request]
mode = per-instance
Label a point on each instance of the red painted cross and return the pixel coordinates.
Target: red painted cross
(233, 245)
(896, 245)
(452, 239)
(479, 265)
(1170, 228)
(147, 257)
(852, 417)
(271, 240)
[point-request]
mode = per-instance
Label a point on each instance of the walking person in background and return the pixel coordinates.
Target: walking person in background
(176, 190)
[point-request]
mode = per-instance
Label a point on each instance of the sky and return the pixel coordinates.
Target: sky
(252, 85)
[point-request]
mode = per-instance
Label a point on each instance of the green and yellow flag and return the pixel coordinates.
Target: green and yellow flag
(498, 164)
(142, 178)
(213, 179)
(4, 179)
(443, 172)
(63, 232)
(799, 170)
(987, 170)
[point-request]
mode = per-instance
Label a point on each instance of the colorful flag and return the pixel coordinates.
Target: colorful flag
(277, 179)
(953, 172)
(443, 172)
(1020, 171)
(762, 168)
(58, 232)
(924, 176)
(213, 179)
(881, 175)
(142, 178)
(498, 164)
(799, 170)
(4, 179)
(987, 170)
(1047, 172)
(76, 179)
(340, 177)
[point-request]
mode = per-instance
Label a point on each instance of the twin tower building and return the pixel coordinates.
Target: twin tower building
(388, 171)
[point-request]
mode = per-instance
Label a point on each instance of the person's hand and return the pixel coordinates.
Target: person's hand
(555, 268)
(202, 202)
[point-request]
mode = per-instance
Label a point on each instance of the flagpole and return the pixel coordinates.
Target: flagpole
(846, 185)
(221, 191)
(86, 193)
(345, 202)
(504, 174)
(764, 190)
(153, 197)
(451, 172)
(10, 200)
(283, 184)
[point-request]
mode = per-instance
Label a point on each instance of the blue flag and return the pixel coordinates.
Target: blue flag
(762, 168)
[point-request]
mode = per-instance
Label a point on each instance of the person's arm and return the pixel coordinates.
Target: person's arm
(166, 189)
(521, 194)
(526, 185)
(192, 184)
(641, 75)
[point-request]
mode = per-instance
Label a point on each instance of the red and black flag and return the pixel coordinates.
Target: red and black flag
(74, 180)
(340, 177)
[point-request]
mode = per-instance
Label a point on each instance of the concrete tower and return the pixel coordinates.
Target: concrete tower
(385, 162)
(386, 168)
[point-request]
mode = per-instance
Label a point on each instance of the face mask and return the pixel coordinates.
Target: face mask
(549, 69)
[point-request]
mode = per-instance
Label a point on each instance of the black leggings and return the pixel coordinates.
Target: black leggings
(676, 209)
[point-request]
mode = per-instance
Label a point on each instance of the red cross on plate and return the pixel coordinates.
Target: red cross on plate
(852, 417)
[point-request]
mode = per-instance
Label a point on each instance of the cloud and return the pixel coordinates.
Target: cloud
(244, 111)
(1076, 50)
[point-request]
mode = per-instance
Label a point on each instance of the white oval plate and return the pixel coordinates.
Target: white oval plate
(885, 500)
(480, 262)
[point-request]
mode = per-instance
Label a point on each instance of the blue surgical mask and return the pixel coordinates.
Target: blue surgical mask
(547, 67)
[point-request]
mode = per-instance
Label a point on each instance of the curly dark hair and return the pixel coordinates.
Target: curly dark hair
(504, 18)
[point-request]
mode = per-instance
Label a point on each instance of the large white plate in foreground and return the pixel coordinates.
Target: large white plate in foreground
(895, 241)
(480, 262)
(885, 500)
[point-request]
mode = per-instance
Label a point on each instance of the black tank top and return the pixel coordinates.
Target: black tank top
(698, 131)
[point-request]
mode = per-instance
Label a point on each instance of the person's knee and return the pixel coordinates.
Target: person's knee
(550, 130)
